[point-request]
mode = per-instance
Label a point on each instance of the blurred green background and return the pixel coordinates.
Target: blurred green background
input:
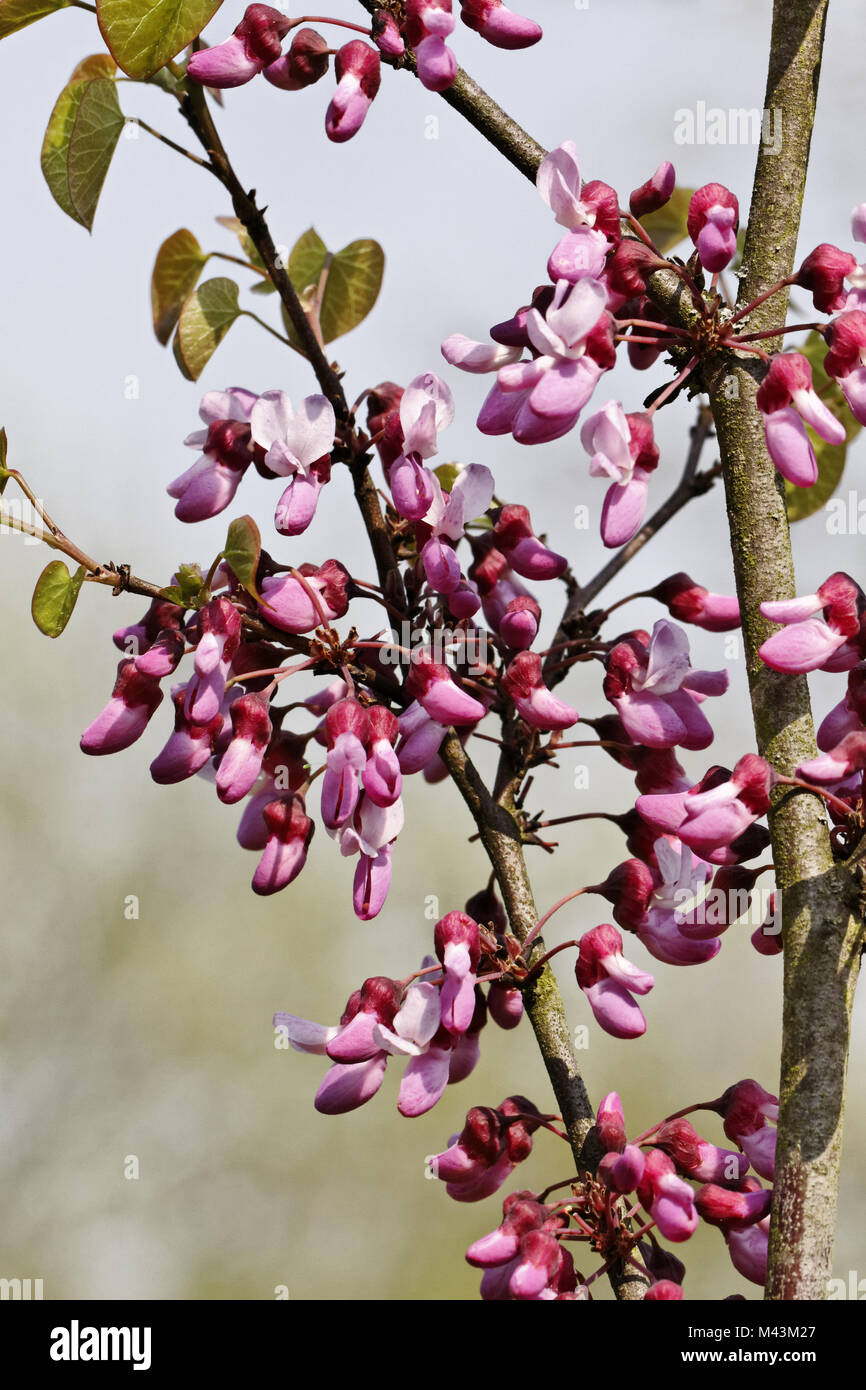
(153, 1037)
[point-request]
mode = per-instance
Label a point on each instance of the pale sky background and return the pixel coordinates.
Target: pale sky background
(153, 1038)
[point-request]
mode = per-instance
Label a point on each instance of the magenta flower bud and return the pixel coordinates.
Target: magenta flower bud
(610, 1123)
(499, 25)
(133, 702)
(522, 1214)
(718, 817)
(428, 17)
(458, 947)
(653, 194)
(622, 1171)
(533, 701)
(190, 746)
(287, 603)
(306, 61)
(719, 1206)
(688, 602)
(475, 1149)
(695, 1158)
(431, 684)
(411, 486)
(420, 739)
(163, 656)
(785, 395)
(821, 630)
(748, 1251)
(518, 627)
(846, 338)
(289, 834)
(713, 219)
(386, 35)
(525, 553)
(609, 980)
(437, 65)
(823, 272)
(381, 774)
(256, 41)
(505, 1004)
(441, 565)
(629, 266)
(629, 887)
(664, 1290)
(359, 75)
(219, 629)
(378, 1003)
(241, 763)
(371, 883)
(745, 1108)
(463, 602)
(537, 1265)
(347, 1086)
(669, 1200)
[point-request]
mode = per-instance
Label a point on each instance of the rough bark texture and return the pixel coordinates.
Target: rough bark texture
(820, 930)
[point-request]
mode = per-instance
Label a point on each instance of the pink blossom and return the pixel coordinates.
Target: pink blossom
(499, 25)
(358, 69)
(786, 398)
(713, 219)
(609, 980)
(133, 702)
(208, 487)
(622, 448)
(305, 63)
(256, 42)
(821, 631)
(524, 684)
(656, 692)
(289, 832)
(287, 602)
(653, 194)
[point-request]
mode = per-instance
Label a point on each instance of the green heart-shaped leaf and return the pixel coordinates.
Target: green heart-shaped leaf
(206, 317)
(179, 263)
(242, 552)
(55, 596)
(354, 279)
(16, 14)
(144, 35)
(95, 133)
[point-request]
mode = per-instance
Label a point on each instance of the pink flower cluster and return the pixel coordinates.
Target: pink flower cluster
(525, 1258)
(256, 46)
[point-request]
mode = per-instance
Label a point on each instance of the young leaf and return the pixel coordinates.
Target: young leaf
(179, 262)
(805, 501)
(144, 35)
(354, 281)
(351, 289)
(250, 250)
(95, 133)
(96, 65)
(206, 317)
(55, 596)
(55, 146)
(16, 14)
(667, 225)
(242, 551)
